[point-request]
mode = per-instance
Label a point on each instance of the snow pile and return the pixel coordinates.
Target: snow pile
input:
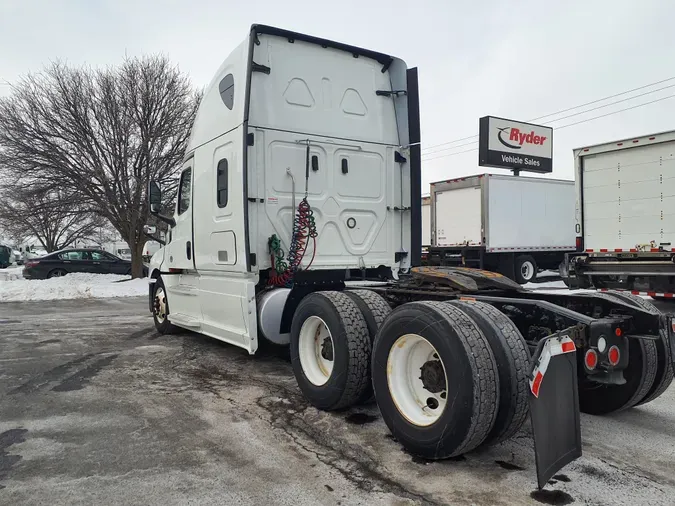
(546, 285)
(72, 286)
(11, 273)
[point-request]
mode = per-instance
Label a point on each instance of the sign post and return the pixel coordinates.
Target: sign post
(509, 144)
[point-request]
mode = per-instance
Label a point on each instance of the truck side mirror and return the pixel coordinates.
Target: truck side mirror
(150, 229)
(155, 201)
(154, 196)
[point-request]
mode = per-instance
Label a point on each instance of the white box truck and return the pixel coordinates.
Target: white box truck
(302, 175)
(426, 227)
(625, 199)
(510, 224)
(426, 221)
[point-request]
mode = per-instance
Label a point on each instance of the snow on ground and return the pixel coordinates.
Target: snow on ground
(13, 287)
(11, 273)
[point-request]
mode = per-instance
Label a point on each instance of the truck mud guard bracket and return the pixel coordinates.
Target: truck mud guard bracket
(554, 404)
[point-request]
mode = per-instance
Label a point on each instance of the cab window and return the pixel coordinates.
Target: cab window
(184, 191)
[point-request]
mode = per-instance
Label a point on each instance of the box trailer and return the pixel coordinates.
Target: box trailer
(302, 176)
(511, 224)
(426, 221)
(625, 203)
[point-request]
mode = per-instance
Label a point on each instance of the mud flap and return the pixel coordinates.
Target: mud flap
(554, 405)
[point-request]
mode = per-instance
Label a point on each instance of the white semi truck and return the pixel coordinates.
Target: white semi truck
(302, 176)
(514, 225)
(625, 197)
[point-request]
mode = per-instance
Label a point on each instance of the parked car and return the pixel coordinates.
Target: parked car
(66, 261)
(5, 256)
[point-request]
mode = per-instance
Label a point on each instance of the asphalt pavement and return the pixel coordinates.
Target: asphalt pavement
(97, 408)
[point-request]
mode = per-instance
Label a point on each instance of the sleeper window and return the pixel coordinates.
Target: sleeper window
(221, 183)
(226, 89)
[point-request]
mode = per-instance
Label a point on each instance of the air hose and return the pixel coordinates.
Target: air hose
(304, 229)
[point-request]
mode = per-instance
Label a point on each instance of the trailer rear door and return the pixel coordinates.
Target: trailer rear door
(628, 197)
(459, 217)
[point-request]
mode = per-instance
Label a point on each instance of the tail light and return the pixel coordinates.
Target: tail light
(613, 355)
(580, 243)
(31, 263)
(591, 359)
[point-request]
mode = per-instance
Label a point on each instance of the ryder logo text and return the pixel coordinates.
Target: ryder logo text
(517, 138)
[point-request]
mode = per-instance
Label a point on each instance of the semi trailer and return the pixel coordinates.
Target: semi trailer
(625, 217)
(298, 222)
(514, 225)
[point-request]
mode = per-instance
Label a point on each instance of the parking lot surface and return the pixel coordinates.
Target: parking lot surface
(97, 408)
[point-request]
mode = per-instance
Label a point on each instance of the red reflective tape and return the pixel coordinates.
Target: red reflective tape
(603, 250)
(655, 250)
(568, 347)
(635, 292)
(589, 251)
(536, 385)
(652, 138)
(669, 295)
(651, 294)
(633, 250)
(618, 250)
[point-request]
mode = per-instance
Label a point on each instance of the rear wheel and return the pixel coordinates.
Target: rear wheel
(435, 379)
(330, 350)
(374, 309)
(664, 371)
(56, 273)
(664, 362)
(598, 399)
(525, 269)
(513, 359)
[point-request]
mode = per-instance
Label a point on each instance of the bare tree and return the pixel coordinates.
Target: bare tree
(55, 219)
(101, 135)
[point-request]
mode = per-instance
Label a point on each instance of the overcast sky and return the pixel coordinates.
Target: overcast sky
(515, 59)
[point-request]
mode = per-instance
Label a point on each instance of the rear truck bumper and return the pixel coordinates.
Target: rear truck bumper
(554, 404)
(629, 270)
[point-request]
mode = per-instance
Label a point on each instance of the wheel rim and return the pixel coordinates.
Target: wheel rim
(315, 346)
(527, 270)
(56, 274)
(418, 383)
(160, 305)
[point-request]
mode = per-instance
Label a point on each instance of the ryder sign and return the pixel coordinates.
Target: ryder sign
(512, 144)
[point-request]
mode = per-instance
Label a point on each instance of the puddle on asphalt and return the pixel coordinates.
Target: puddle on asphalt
(360, 418)
(554, 497)
(509, 466)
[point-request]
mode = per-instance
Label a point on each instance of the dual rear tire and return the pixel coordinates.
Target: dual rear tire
(447, 376)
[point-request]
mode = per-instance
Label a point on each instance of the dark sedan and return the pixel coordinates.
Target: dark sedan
(64, 262)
